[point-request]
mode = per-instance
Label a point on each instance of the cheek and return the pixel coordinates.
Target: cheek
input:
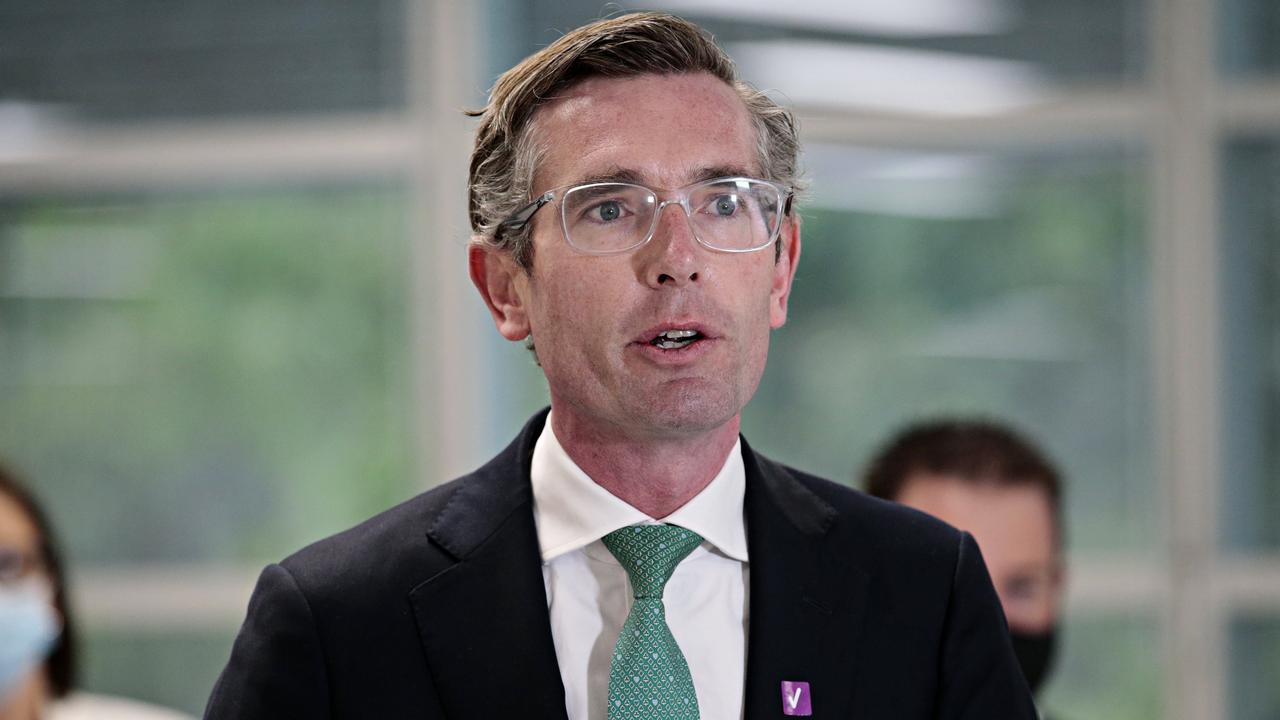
(762, 311)
(570, 318)
(555, 301)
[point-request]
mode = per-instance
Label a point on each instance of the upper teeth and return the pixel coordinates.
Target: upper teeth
(677, 334)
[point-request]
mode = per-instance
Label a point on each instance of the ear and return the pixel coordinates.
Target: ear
(784, 270)
(503, 284)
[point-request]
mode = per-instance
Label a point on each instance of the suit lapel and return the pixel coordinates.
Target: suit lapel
(808, 599)
(486, 632)
(483, 621)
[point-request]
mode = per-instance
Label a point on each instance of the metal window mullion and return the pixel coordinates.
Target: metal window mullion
(1113, 583)
(87, 160)
(1184, 273)
(448, 396)
(1249, 106)
(208, 597)
(1248, 585)
(1086, 114)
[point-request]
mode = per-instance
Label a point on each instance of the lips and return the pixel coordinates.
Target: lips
(676, 343)
(675, 335)
(675, 339)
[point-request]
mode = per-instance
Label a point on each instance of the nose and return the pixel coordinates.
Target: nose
(673, 257)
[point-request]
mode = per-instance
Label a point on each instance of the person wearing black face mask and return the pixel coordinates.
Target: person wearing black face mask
(989, 480)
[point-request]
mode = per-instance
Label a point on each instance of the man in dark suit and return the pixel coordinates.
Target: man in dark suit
(629, 555)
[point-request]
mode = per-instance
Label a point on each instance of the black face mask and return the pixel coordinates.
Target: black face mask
(1035, 654)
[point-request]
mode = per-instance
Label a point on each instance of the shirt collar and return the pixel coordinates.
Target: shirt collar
(572, 511)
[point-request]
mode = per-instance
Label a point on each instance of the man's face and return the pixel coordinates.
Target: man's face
(593, 318)
(1014, 528)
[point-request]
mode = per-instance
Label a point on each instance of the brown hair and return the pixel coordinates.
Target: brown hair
(61, 663)
(977, 452)
(506, 154)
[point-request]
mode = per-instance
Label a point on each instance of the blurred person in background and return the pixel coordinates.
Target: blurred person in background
(989, 480)
(37, 630)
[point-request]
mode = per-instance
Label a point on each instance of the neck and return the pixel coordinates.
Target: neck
(656, 475)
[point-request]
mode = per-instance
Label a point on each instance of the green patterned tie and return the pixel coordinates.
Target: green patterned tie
(648, 676)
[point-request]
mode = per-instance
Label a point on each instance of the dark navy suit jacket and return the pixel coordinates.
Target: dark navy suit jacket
(437, 609)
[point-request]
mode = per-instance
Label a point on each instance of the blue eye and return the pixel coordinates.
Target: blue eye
(608, 211)
(725, 205)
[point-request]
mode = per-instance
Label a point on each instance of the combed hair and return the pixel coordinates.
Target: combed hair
(972, 451)
(506, 154)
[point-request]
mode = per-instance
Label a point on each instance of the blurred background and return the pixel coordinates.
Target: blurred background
(235, 318)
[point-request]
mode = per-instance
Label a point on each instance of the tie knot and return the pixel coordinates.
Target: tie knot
(650, 553)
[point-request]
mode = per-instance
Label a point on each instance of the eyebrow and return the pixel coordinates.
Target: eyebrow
(613, 174)
(719, 171)
(627, 175)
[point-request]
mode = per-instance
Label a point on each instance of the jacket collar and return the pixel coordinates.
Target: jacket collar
(483, 621)
(571, 511)
(807, 600)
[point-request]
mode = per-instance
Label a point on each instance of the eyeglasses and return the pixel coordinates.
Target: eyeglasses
(732, 214)
(16, 565)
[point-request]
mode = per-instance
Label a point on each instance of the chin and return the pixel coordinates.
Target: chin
(689, 410)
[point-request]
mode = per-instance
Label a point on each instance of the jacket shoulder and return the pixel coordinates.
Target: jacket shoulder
(377, 549)
(429, 532)
(881, 535)
(892, 522)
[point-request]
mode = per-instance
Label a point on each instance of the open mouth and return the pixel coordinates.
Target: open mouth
(675, 339)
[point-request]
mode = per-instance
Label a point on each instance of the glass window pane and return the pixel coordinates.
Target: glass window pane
(1248, 37)
(137, 59)
(988, 282)
(949, 57)
(1250, 499)
(220, 376)
(1254, 667)
(176, 670)
(1108, 667)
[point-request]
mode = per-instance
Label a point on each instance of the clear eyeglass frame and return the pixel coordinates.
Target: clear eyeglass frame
(680, 196)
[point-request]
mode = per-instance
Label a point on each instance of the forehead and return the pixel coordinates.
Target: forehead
(665, 129)
(1016, 519)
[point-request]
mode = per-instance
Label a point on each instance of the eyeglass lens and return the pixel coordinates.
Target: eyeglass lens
(735, 215)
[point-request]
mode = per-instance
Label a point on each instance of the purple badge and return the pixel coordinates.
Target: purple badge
(795, 698)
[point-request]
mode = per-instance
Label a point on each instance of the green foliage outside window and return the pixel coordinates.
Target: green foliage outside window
(216, 378)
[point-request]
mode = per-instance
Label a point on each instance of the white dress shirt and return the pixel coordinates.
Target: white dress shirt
(589, 594)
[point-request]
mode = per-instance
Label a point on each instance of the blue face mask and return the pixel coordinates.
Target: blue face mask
(28, 629)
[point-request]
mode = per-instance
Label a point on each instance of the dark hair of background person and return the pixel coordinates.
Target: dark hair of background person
(61, 663)
(978, 452)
